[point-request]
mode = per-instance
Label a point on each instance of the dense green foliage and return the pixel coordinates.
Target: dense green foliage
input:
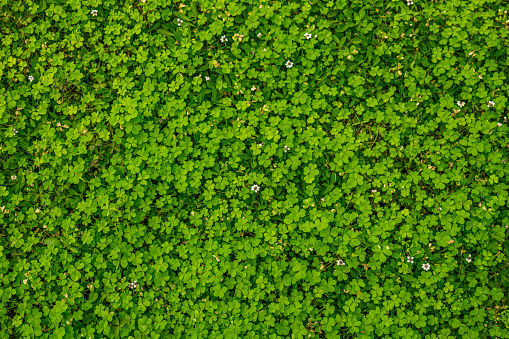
(254, 169)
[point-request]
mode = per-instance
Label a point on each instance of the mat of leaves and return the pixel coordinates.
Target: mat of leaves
(254, 169)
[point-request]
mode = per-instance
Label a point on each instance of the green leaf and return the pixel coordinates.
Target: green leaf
(51, 241)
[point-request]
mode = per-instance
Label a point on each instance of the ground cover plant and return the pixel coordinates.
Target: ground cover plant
(254, 169)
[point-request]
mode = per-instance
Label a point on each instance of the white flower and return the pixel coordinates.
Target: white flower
(31, 78)
(94, 12)
(340, 262)
(207, 78)
(316, 35)
(373, 191)
(253, 88)
(259, 34)
(179, 21)
(261, 144)
(223, 38)
(387, 247)
(255, 188)
(409, 2)
(289, 64)
(133, 284)
(311, 249)
(15, 131)
(410, 259)
(469, 259)
(323, 199)
(426, 266)
(439, 209)
(287, 148)
(499, 124)
(13, 177)
(491, 104)
(307, 36)
(461, 103)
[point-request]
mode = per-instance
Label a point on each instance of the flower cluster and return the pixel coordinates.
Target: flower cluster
(461, 103)
(224, 38)
(94, 12)
(179, 22)
(469, 259)
(238, 36)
